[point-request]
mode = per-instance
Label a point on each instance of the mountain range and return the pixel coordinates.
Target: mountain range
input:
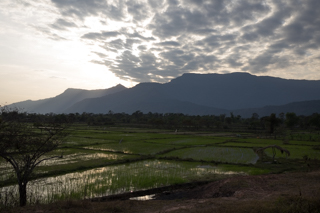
(193, 94)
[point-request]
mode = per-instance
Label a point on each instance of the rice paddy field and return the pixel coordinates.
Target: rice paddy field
(100, 161)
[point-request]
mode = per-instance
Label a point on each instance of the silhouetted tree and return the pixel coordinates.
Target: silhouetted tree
(24, 145)
(271, 122)
(315, 120)
(291, 119)
(254, 116)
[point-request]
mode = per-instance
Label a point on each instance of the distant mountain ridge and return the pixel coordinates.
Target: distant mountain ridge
(241, 90)
(193, 94)
(63, 101)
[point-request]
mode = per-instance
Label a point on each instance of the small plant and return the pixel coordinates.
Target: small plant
(306, 158)
(316, 147)
(273, 147)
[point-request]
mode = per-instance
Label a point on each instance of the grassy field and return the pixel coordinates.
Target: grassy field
(99, 161)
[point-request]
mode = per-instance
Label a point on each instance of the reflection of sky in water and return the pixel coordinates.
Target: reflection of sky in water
(116, 179)
(215, 170)
(6, 170)
(143, 198)
(78, 157)
(107, 149)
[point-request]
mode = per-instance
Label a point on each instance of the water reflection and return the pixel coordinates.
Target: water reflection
(114, 179)
(6, 170)
(143, 198)
(73, 158)
(216, 170)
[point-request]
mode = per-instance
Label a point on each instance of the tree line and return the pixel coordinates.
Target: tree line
(222, 122)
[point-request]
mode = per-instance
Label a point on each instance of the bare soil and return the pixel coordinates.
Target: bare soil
(288, 192)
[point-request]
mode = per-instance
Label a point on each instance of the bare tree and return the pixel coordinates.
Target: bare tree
(25, 146)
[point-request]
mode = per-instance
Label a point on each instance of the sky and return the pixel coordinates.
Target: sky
(47, 46)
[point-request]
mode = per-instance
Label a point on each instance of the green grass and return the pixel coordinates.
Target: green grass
(98, 161)
(184, 140)
(124, 178)
(297, 152)
(73, 160)
(218, 154)
(133, 147)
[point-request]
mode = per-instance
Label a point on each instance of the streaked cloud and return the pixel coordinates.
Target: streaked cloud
(157, 40)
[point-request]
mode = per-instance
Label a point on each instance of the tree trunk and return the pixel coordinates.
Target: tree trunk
(23, 194)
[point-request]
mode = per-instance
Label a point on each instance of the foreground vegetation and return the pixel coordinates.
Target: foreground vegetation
(99, 160)
(285, 193)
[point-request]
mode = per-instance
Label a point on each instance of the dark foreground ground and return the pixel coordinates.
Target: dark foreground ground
(289, 192)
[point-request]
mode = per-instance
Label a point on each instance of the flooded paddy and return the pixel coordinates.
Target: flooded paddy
(117, 179)
(132, 147)
(97, 163)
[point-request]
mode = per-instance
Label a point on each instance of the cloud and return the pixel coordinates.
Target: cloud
(57, 77)
(101, 55)
(138, 35)
(138, 10)
(169, 43)
(48, 33)
(85, 8)
(155, 40)
(100, 35)
(62, 24)
(176, 21)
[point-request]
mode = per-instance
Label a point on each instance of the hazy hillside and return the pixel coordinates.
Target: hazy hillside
(208, 94)
(146, 97)
(300, 108)
(240, 90)
(61, 102)
(194, 94)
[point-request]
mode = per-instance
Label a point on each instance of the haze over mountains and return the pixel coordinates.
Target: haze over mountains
(193, 94)
(63, 101)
